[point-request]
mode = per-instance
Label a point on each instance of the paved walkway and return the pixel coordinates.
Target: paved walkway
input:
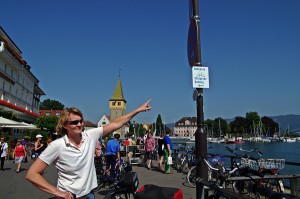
(13, 185)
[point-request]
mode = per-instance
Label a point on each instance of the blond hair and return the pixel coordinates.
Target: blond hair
(64, 118)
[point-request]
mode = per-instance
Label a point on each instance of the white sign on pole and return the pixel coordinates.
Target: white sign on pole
(200, 77)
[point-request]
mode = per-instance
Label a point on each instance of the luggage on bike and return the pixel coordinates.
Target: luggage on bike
(129, 181)
(150, 191)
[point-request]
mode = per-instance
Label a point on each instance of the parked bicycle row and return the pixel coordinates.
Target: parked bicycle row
(254, 172)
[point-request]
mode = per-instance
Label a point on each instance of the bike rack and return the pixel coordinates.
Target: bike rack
(293, 180)
(207, 186)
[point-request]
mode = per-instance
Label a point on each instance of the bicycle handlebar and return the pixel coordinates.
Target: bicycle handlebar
(244, 150)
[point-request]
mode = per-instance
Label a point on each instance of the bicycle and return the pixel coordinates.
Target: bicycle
(217, 178)
(216, 170)
(126, 185)
(109, 177)
(185, 159)
(263, 166)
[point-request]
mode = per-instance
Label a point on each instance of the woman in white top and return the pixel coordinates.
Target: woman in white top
(3, 152)
(73, 155)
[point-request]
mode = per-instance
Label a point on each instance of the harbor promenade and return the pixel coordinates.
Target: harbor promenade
(13, 185)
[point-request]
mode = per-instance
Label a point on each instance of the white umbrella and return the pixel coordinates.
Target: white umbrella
(29, 126)
(5, 121)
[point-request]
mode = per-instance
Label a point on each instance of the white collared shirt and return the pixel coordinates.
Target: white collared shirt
(76, 170)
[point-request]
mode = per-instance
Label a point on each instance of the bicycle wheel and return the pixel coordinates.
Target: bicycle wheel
(191, 177)
(119, 195)
(274, 184)
(185, 166)
(116, 195)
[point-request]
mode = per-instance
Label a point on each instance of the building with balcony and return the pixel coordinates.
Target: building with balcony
(19, 87)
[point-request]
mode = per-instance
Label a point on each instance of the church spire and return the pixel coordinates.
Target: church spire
(118, 93)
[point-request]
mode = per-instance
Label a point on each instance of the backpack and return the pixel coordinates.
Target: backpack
(150, 191)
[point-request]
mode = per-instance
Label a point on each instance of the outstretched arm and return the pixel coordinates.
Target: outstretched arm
(119, 122)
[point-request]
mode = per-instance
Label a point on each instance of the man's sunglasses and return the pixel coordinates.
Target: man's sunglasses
(75, 122)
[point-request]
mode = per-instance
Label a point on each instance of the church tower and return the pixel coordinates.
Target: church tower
(117, 104)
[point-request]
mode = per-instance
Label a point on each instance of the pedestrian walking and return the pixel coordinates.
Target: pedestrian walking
(24, 143)
(149, 147)
(113, 153)
(38, 145)
(73, 155)
(168, 152)
(3, 152)
(160, 151)
(18, 154)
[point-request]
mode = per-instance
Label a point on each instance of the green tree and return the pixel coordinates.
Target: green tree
(253, 120)
(8, 114)
(209, 124)
(238, 125)
(159, 126)
(49, 104)
(220, 126)
(141, 130)
(47, 122)
(269, 125)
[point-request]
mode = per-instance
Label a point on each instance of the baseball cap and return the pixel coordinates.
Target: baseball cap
(117, 136)
(38, 136)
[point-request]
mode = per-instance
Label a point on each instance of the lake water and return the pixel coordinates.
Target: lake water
(274, 150)
(280, 150)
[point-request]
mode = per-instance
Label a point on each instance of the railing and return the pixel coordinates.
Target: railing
(293, 178)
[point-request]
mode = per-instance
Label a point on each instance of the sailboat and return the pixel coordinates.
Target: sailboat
(287, 137)
(219, 139)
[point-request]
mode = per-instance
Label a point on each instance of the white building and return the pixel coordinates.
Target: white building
(186, 127)
(103, 121)
(19, 89)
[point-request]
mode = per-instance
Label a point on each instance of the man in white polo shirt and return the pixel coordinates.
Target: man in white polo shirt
(73, 155)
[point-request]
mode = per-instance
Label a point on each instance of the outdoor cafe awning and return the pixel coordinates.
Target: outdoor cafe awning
(7, 123)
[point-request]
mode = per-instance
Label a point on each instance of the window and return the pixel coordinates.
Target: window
(114, 103)
(119, 103)
(57, 113)
(47, 113)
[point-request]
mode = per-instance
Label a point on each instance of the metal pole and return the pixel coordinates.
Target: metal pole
(201, 134)
(195, 15)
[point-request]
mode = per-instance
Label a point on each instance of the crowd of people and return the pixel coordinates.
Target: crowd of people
(153, 149)
(19, 150)
(74, 152)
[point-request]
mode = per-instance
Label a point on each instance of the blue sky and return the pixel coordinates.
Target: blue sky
(77, 48)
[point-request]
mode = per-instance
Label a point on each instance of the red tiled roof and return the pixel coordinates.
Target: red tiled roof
(89, 124)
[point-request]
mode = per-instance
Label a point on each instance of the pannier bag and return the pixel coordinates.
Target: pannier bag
(150, 191)
(130, 181)
(128, 168)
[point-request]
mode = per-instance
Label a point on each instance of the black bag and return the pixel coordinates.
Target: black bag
(128, 168)
(129, 181)
(34, 155)
(150, 191)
